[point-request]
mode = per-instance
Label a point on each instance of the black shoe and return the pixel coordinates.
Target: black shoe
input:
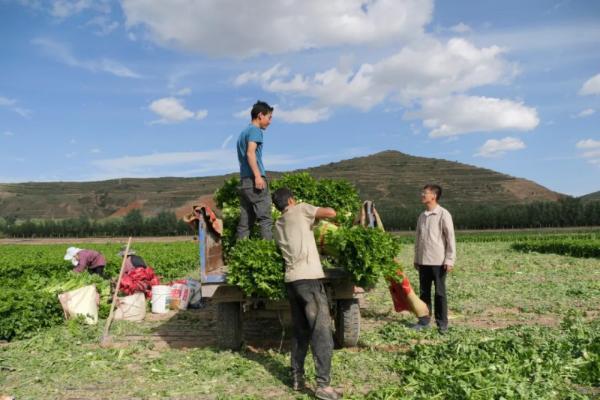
(442, 330)
(326, 393)
(419, 326)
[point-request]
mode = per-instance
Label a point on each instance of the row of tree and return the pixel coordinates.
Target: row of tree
(567, 212)
(133, 224)
(564, 213)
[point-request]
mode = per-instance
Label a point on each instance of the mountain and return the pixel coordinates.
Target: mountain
(392, 179)
(591, 196)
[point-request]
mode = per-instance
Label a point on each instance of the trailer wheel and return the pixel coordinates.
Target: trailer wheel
(229, 326)
(347, 323)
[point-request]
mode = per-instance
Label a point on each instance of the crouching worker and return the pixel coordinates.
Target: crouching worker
(308, 301)
(133, 261)
(82, 259)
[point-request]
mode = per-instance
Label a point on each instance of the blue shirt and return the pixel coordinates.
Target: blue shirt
(250, 134)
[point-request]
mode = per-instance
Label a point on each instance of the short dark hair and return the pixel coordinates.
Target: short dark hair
(437, 189)
(281, 197)
(260, 107)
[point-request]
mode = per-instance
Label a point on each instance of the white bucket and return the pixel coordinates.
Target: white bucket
(160, 298)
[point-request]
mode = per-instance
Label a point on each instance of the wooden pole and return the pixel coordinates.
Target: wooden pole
(105, 338)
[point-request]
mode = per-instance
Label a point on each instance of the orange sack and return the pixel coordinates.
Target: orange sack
(404, 297)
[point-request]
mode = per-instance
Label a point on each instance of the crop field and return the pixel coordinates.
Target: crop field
(524, 324)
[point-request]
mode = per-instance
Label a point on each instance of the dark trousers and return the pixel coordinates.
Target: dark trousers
(311, 324)
(255, 206)
(97, 270)
(429, 274)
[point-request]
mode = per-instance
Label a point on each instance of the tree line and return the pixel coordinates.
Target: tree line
(133, 224)
(567, 212)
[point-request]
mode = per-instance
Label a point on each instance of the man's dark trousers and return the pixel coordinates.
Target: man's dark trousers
(255, 206)
(435, 274)
(312, 324)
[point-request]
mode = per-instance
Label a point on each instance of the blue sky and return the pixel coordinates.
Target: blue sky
(94, 90)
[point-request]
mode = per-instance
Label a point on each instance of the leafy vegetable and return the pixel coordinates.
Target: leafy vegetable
(257, 267)
(367, 254)
(530, 362)
(565, 246)
(31, 277)
(336, 193)
(228, 194)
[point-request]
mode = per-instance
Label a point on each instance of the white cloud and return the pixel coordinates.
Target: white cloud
(275, 71)
(62, 9)
(95, 151)
(226, 141)
(496, 148)
(184, 92)
(285, 26)
(591, 86)
(591, 151)
(6, 102)
(104, 26)
(63, 54)
(544, 37)
(588, 144)
(586, 113)
(11, 104)
(201, 114)
(458, 115)
(429, 68)
(461, 28)
(302, 115)
(243, 113)
(66, 8)
(171, 110)
(9, 133)
(214, 161)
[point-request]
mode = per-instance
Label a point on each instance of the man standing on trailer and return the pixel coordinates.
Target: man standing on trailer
(306, 293)
(255, 201)
(435, 254)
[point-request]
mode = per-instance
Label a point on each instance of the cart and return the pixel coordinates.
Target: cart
(345, 298)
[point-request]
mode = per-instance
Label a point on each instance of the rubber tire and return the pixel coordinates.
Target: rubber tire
(347, 323)
(229, 326)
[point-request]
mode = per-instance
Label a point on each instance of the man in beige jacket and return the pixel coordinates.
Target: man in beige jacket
(435, 254)
(311, 320)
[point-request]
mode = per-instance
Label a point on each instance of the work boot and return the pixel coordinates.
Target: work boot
(326, 393)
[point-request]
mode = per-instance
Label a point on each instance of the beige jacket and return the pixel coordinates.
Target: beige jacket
(435, 243)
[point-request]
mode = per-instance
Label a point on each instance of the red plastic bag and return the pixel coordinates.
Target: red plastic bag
(139, 280)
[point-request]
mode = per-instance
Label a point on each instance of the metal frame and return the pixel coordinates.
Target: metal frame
(204, 278)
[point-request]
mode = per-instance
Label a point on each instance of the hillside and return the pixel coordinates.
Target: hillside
(391, 178)
(591, 196)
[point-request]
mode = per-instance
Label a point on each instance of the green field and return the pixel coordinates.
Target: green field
(524, 325)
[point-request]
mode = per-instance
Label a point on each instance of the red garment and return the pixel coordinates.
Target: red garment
(89, 259)
(399, 292)
(204, 211)
(139, 280)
